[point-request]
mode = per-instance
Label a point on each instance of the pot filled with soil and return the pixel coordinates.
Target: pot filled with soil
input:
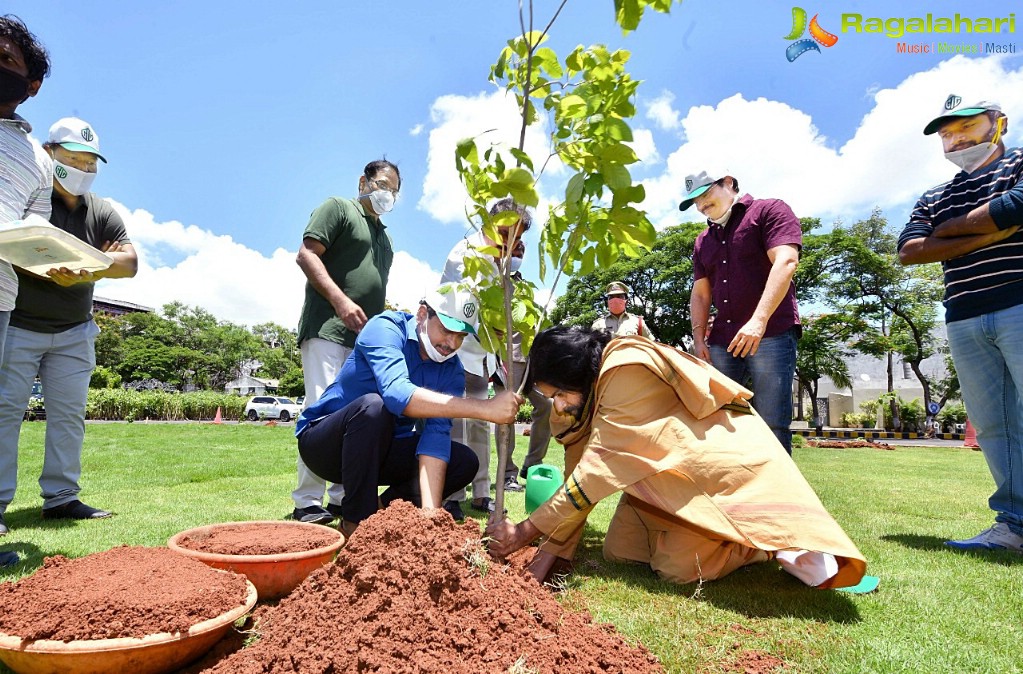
(128, 609)
(274, 555)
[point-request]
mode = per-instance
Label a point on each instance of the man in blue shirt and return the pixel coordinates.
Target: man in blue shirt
(363, 431)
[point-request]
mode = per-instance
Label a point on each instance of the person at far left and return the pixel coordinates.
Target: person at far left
(52, 331)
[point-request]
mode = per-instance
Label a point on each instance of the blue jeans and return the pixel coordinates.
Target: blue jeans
(64, 362)
(988, 355)
(771, 370)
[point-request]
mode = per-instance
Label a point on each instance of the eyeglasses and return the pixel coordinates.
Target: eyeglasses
(381, 185)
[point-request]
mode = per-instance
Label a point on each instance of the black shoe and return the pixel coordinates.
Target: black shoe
(3, 526)
(522, 473)
(9, 558)
(454, 509)
(483, 505)
(511, 484)
(75, 510)
(314, 514)
(335, 510)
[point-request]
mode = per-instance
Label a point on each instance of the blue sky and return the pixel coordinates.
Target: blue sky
(226, 123)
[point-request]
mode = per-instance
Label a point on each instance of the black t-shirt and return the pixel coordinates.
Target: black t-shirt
(44, 306)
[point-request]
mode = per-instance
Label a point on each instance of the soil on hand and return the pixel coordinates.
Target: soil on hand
(263, 538)
(123, 592)
(415, 592)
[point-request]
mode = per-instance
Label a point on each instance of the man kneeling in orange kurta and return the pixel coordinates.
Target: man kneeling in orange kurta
(706, 487)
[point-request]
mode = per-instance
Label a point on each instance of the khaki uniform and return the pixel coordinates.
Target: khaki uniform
(707, 488)
(623, 325)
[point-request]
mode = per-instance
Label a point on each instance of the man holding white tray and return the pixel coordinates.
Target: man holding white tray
(52, 332)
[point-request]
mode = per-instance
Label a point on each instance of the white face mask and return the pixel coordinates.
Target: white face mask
(972, 158)
(727, 214)
(382, 201)
(73, 180)
(431, 350)
(515, 264)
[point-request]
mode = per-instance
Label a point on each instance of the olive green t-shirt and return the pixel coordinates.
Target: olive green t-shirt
(358, 259)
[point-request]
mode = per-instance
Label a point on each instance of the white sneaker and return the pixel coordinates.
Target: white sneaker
(998, 537)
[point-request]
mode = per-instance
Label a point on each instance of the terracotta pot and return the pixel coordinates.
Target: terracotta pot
(273, 575)
(153, 654)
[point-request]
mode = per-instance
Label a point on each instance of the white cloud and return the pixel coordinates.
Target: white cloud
(233, 282)
(494, 121)
(644, 146)
(775, 150)
(416, 130)
(661, 111)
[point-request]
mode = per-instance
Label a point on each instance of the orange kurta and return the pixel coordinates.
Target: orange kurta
(678, 438)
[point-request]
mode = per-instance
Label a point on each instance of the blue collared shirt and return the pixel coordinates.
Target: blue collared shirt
(387, 360)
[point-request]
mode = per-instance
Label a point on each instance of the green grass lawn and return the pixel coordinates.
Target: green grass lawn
(937, 610)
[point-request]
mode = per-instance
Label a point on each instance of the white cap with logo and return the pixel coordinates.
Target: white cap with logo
(953, 107)
(75, 135)
(457, 308)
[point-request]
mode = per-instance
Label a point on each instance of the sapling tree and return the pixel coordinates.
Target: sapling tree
(583, 101)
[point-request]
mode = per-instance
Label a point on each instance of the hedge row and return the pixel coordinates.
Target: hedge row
(117, 404)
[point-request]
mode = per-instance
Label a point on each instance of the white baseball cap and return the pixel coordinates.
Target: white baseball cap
(457, 308)
(75, 135)
(953, 107)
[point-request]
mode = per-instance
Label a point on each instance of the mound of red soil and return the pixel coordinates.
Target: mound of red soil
(414, 592)
(123, 592)
(264, 538)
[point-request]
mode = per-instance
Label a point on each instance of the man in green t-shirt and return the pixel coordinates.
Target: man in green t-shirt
(346, 256)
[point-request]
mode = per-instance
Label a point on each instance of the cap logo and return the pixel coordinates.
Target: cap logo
(952, 102)
(689, 184)
(469, 309)
(60, 172)
(87, 134)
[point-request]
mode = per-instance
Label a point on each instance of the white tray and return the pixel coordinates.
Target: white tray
(40, 248)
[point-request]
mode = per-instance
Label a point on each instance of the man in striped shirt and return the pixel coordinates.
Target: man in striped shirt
(25, 168)
(971, 225)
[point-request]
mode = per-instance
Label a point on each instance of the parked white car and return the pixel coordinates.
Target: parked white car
(272, 407)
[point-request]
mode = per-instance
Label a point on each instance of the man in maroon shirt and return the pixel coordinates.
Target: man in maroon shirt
(743, 264)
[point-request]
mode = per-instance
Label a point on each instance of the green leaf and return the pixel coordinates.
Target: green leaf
(522, 157)
(617, 176)
(574, 189)
(618, 153)
(617, 128)
(572, 107)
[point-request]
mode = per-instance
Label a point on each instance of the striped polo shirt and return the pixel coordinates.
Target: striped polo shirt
(26, 173)
(990, 278)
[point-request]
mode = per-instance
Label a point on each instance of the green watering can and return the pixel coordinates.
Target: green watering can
(542, 480)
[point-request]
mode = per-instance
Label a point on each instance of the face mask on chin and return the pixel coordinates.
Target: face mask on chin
(972, 158)
(431, 350)
(75, 181)
(514, 264)
(13, 87)
(727, 214)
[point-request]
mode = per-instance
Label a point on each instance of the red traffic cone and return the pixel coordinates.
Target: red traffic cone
(971, 436)
(219, 418)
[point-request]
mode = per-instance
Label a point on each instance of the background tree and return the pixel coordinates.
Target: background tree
(896, 304)
(661, 280)
(823, 352)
